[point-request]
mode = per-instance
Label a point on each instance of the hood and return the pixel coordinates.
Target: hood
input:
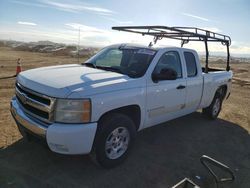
(61, 81)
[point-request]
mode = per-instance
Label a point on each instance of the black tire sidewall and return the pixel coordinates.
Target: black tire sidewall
(208, 112)
(211, 114)
(105, 127)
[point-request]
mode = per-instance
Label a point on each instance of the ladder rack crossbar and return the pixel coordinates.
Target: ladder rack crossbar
(185, 34)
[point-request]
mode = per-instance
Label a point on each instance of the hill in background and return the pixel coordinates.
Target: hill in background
(50, 47)
(60, 49)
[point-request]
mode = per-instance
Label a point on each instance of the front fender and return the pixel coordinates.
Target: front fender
(106, 102)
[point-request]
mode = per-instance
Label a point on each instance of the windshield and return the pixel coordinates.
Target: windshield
(129, 61)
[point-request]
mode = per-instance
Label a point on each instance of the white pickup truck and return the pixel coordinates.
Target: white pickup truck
(98, 106)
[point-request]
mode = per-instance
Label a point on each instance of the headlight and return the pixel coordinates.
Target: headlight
(73, 111)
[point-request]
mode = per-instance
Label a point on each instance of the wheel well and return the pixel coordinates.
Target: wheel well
(132, 111)
(222, 90)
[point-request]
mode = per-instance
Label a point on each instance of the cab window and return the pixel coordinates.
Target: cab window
(169, 60)
(190, 64)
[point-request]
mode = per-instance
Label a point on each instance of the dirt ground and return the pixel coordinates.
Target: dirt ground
(162, 156)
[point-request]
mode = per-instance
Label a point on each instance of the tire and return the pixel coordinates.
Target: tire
(213, 110)
(115, 136)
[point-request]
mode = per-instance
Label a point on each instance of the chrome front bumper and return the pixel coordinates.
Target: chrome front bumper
(23, 120)
(61, 138)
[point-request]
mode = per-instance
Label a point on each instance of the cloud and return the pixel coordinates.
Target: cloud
(77, 7)
(213, 29)
(194, 16)
(28, 3)
(85, 28)
(117, 21)
(240, 47)
(87, 32)
(27, 23)
(74, 7)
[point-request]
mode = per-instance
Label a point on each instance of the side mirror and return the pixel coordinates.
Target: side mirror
(165, 74)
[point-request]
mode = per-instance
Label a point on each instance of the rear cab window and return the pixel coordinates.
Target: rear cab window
(190, 64)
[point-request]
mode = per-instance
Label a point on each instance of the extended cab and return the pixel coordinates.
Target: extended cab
(98, 106)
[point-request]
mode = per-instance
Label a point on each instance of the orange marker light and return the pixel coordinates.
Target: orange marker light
(86, 111)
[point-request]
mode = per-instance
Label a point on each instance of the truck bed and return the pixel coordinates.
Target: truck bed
(212, 69)
(212, 81)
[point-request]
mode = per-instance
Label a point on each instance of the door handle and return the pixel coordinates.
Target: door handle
(181, 87)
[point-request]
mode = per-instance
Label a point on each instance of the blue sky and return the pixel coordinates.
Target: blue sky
(59, 20)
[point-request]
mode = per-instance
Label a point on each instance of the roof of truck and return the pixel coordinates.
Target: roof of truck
(134, 45)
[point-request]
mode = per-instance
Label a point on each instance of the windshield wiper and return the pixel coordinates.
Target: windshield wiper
(90, 65)
(107, 68)
(112, 69)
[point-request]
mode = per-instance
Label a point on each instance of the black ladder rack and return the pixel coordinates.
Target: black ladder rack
(185, 34)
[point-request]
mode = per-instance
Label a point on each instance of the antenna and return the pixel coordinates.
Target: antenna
(78, 47)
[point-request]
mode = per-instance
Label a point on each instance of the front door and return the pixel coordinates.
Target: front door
(166, 98)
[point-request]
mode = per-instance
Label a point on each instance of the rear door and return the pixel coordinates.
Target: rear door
(194, 81)
(166, 98)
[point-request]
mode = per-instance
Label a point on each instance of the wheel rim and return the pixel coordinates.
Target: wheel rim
(117, 143)
(216, 107)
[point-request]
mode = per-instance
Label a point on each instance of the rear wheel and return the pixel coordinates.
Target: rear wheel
(115, 136)
(213, 110)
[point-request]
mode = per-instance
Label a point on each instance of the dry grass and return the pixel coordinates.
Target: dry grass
(162, 156)
(8, 58)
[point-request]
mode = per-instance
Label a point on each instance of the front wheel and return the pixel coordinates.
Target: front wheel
(213, 110)
(115, 136)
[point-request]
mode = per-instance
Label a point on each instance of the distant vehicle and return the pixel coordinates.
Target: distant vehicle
(97, 107)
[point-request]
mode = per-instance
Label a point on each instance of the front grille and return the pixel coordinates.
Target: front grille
(35, 104)
(36, 97)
